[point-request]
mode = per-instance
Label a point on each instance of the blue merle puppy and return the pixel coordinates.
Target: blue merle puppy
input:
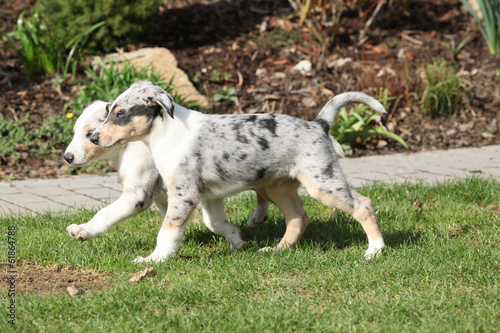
(204, 158)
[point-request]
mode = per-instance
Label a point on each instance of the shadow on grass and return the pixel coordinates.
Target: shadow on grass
(336, 234)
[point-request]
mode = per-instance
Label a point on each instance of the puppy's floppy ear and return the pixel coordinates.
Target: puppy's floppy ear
(165, 101)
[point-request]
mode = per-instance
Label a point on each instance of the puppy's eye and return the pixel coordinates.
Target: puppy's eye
(119, 114)
(89, 133)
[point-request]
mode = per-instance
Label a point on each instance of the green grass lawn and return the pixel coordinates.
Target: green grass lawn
(440, 271)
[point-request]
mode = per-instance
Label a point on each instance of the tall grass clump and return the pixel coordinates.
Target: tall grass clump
(445, 92)
(488, 21)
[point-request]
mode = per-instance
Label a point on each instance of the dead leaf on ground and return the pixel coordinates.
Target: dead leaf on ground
(73, 291)
(143, 274)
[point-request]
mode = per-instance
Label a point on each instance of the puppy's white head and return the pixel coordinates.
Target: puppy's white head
(133, 113)
(81, 151)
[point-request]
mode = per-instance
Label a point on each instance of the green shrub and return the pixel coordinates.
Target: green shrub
(360, 123)
(47, 50)
(126, 22)
(12, 132)
(444, 91)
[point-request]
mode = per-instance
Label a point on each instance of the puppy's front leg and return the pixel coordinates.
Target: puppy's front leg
(127, 205)
(172, 230)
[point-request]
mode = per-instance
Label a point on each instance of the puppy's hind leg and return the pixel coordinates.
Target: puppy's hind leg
(215, 219)
(336, 192)
(285, 197)
(261, 213)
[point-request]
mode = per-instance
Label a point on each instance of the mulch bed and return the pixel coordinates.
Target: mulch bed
(255, 43)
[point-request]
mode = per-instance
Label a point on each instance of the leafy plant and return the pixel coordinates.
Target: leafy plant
(489, 22)
(360, 123)
(321, 17)
(45, 50)
(228, 94)
(59, 128)
(126, 22)
(444, 89)
(107, 82)
(455, 49)
(12, 132)
(220, 77)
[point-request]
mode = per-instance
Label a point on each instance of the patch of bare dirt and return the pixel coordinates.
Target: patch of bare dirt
(33, 279)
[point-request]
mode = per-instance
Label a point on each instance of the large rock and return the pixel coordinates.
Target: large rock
(165, 63)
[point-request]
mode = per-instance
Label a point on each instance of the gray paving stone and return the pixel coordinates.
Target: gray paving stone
(48, 191)
(6, 188)
(7, 209)
(48, 206)
(115, 186)
(99, 193)
(76, 200)
(23, 198)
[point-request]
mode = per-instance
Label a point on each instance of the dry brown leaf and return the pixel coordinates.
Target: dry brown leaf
(142, 274)
(73, 291)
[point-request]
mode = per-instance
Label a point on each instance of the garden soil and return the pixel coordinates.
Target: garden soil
(253, 45)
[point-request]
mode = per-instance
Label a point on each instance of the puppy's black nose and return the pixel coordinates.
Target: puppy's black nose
(69, 157)
(94, 139)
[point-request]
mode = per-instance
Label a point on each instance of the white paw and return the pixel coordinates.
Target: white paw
(76, 231)
(256, 220)
(155, 258)
(375, 248)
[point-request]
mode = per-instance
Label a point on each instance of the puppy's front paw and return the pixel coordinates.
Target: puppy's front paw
(76, 231)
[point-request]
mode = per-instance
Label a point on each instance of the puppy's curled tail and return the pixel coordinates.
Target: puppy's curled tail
(330, 111)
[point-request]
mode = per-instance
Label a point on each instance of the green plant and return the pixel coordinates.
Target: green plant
(444, 90)
(455, 49)
(107, 82)
(220, 77)
(58, 128)
(126, 22)
(227, 94)
(13, 132)
(321, 17)
(489, 22)
(360, 123)
(55, 130)
(48, 50)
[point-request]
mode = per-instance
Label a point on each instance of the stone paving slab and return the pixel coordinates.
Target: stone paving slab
(35, 196)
